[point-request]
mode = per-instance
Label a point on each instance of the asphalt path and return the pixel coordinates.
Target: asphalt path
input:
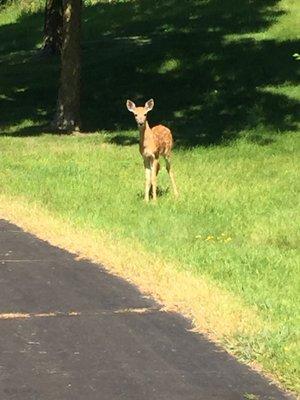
(71, 331)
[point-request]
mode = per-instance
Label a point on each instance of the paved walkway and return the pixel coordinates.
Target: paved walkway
(71, 331)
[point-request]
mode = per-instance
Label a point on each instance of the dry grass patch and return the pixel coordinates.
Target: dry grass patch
(213, 310)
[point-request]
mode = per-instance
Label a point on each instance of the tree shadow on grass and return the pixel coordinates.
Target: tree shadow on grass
(207, 88)
(29, 83)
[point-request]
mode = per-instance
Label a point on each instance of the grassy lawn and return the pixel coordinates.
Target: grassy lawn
(225, 80)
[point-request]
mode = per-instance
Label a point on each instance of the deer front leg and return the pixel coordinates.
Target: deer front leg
(147, 165)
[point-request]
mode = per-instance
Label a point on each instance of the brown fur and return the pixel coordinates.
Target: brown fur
(154, 142)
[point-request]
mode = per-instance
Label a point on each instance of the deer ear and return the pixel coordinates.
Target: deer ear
(149, 105)
(130, 105)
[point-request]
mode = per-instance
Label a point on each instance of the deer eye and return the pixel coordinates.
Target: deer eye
(145, 115)
(135, 115)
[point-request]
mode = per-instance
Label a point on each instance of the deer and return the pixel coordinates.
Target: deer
(154, 142)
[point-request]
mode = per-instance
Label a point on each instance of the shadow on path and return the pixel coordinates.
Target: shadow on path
(88, 333)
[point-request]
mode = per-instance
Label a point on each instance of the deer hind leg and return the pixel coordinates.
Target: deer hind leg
(147, 165)
(154, 172)
(170, 172)
(157, 168)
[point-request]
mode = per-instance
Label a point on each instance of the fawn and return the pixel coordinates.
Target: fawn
(154, 142)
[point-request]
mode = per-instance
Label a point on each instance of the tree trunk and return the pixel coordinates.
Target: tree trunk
(68, 108)
(53, 26)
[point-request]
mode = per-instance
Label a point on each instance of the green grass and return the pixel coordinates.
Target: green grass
(287, 27)
(232, 105)
(245, 191)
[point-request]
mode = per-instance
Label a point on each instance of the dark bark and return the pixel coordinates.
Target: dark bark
(68, 107)
(53, 27)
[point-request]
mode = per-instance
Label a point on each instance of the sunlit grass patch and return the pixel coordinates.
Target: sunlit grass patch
(284, 25)
(169, 65)
(287, 89)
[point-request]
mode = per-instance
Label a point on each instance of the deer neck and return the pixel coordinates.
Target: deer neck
(146, 136)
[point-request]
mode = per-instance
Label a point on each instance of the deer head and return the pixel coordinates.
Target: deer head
(140, 113)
